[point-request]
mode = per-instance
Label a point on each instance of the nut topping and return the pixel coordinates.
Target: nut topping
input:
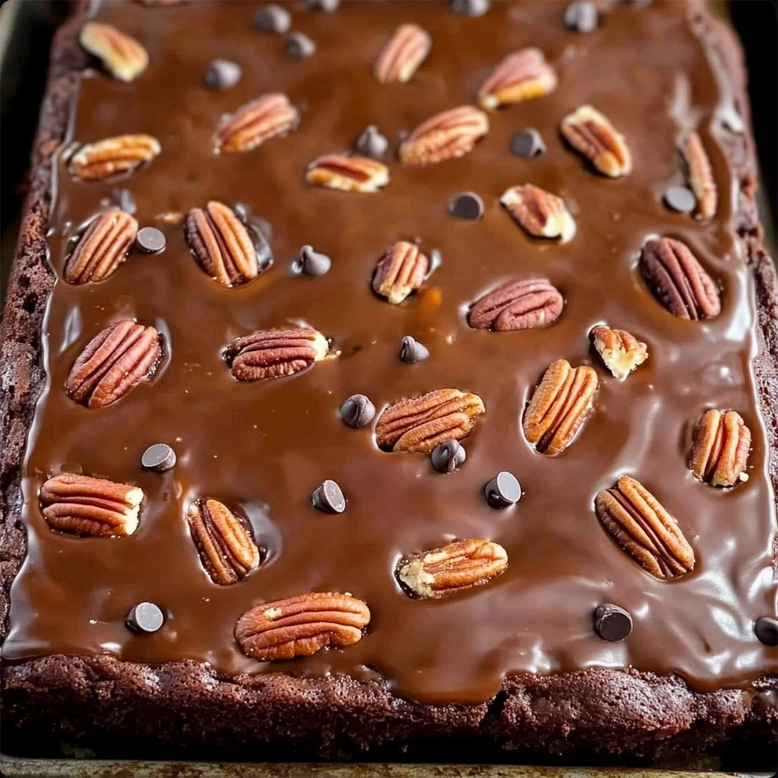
(112, 156)
(112, 363)
(700, 175)
(638, 522)
(559, 406)
(719, 453)
(419, 424)
(122, 56)
(518, 305)
(460, 565)
(678, 280)
(302, 625)
(90, 507)
(402, 55)
(275, 353)
(102, 248)
(253, 123)
(446, 135)
(620, 351)
(520, 76)
(221, 244)
(226, 548)
(348, 173)
(539, 212)
(591, 134)
(400, 272)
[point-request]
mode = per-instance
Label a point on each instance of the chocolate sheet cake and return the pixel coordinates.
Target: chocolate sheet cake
(391, 373)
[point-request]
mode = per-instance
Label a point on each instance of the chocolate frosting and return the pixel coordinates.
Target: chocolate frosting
(262, 448)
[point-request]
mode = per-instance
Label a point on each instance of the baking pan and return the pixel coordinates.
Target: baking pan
(26, 29)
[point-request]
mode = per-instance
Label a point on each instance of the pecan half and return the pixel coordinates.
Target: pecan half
(719, 453)
(102, 248)
(678, 280)
(419, 424)
(638, 522)
(539, 212)
(123, 57)
(521, 76)
(113, 362)
(518, 305)
(221, 244)
(559, 406)
(253, 123)
(90, 507)
(275, 353)
(400, 272)
(302, 625)
(348, 173)
(226, 548)
(446, 135)
(402, 55)
(452, 568)
(591, 134)
(621, 352)
(113, 156)
(700, 175)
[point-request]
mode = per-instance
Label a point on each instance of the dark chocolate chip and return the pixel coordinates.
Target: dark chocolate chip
(328, 6)
(358, 411)
(503, 490)
(581, 16)
(159, 457)
(468, 206)
(311, 263)
(611, 622)
(299, 45)
(470, 7)
(412, 351)
(125, 200)
(447, 456)
(150, 240)
(144, 618)
(329, 498)
(528, 143)
(681, 199)
(222, 74)
(766, 629)
(371, 143)
(764, 701)
(273, 18)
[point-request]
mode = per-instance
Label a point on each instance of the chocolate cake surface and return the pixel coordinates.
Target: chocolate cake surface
(596, 171)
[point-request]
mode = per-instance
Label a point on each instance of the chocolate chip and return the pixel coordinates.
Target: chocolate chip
(311, 263)
(299, 46)
(447, 456)
(328, 6)
(329, 498)
(151, 240)
(222, 74)
(273, 18)
(159, 457)
(766, 629)
(125, 200)
(470, 7)
(468, 206)
(503, 490)
(371, 143)
(412, 351)
(681, 199)
(764, 701)
(528, 143)
(358, 411)
(145, 617)
(581, 16)
(611, 622)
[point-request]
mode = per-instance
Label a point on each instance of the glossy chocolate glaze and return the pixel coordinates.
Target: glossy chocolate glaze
(262, 448)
